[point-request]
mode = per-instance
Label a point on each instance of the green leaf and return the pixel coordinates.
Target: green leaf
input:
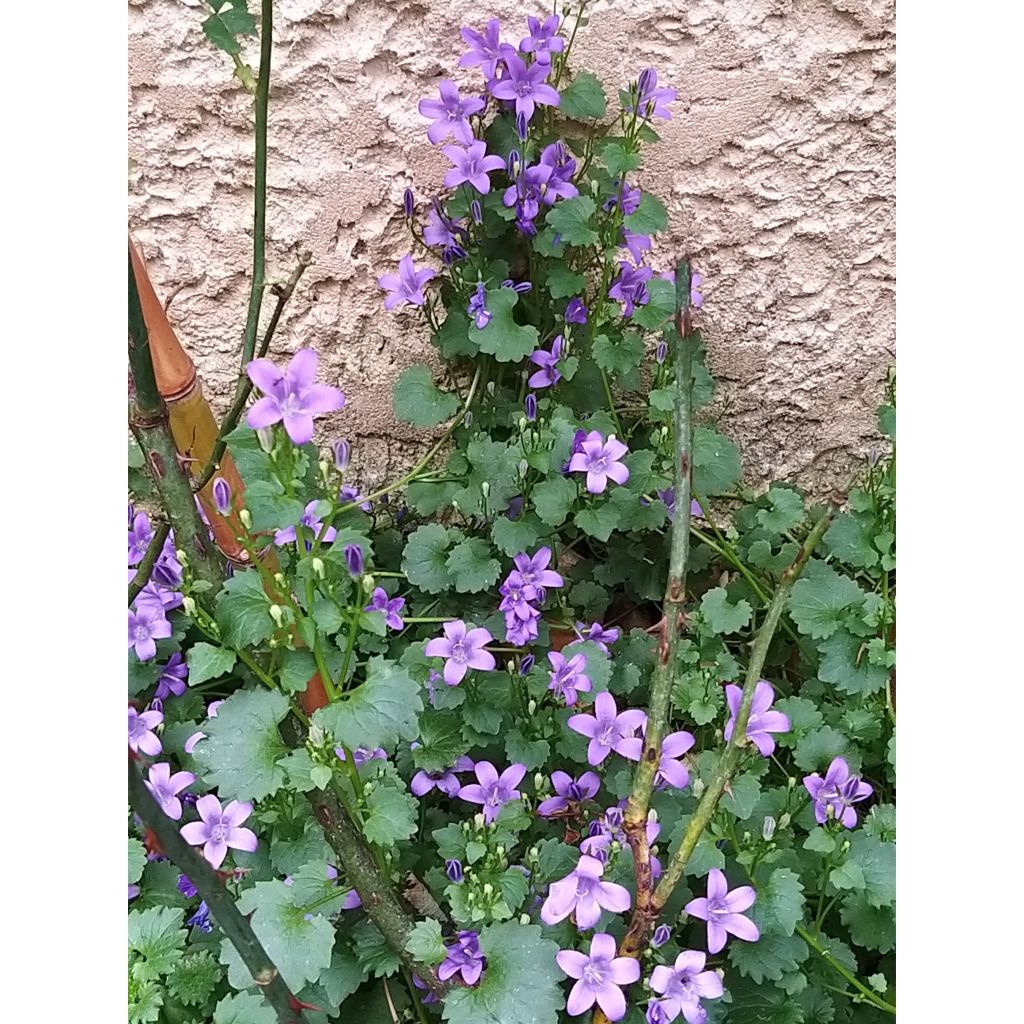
(845, 664)
(803, 716)
(819, 598)
(816, 751)
(136, 860)
(195, 978)
(390, 815)
(617, 158)
(425, 942)
(472, 567)
(425, 561)
(244, 1008)
(157, 939)
(372, 951)
(598, 521)
(786, 511)
(532, 753)
(881, 822)
(870, 927)
(242, 746)
(552, 500)
(619, 356)
(716, 462)
(769, 958)
(761, 556)
(208, 662)
(243, 611)
(521, 984)
(780, 903)
(877, 861)
(503, 338)
(660, 306)
(270, 507)
(722, 616)
(223, 26)
(650, 217)
(379, 713)
(563, 282)
(555, 859)
(418, 401)
(440, 741)
(570, 218)
(820, 841)
(763, 1004)
(746, 791)
(511, 536)
(584, 97)
(454, 338)
(310, 885)
(342, 978)
(847, 876)
(850, 539)
(297, 668)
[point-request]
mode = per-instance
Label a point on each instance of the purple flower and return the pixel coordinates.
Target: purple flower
(570, 791)
(221, 495)
(582, 892)
(140, 731)
(342, 453)
(517, 595)
(668, 496)
(445, 780)
(186, 887)
(567, 677)
(172, 678)
(660, 352)
(140, 533)
(555, 178)
(599, 459)
(661, 935)
(636, 244)
(493, 790)
(453, 869)
(543, 39)
(388, 608)
(534, 569)
(291, 396)
(477, 307)
(761, 722)
(471, 165)
(519, 632)
(462, 650)
(547, 376)
(441, 229)
(530, 407)
(220, 829)
(604, 831)
(651, 101)
(351, 900)
(606, 728)
(408, 199)
(670, 768)
(599, 977)
(522, 127)
(596, 633)
(449, 114)
(354, 559)
(350, 494)
(464, 958)
(657, 1013)
(526, 664)
(362, 754)
(525, 85)
(721, 909)
(836, 792)
(201, 918)
(147, 624)
(575, 312)
(406, 285)
(311, 522)
(476, 212)
(683, 986)
(519, 287)
(696, 298)
(630, 287)
(165, 788)
(485, 49)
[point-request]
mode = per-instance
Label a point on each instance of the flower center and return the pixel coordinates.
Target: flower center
(584, 885)
(219, 832)
(599, 465)
(523, 89)
(459, 652)
(494, 797)
(594, 973)
(608, 736)
(141, 633)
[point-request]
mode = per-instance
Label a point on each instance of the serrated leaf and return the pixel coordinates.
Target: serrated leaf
(803, 716)
(157, 939)
(583, 97)
(555, 860)
(771, 957)
(819, 598)
(850, 539)
(511, 536)
(223, 26)
(193, 981)
(312, 886)
(471, 566)
(503, 338)
(454, 338)
(532, 753)
(244, 1008)
(847, 875)
(723, 616)
(716, 462)
(618, 356)
(440, 741)
(297, 668)
(617, 158)
(649, 218)
(660, 306)
(780, 903)
(563, 282)
(881, 822)
(426, 943)
(763, 1004)
(270, 507)
(419, 401)
(761, 556)
(870, 927)
(425, 560)
(390, 815)
(816, 751)
(819, 841)
(786, 510)
(599, 521)
(877, 861)
(243, 611)
(136, 860)
(552, 499)
(845, 664)
(372, 951)
(745, 792)
(208, 662)
(570, 218)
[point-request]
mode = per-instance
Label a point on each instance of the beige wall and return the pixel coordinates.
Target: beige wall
(778, 171)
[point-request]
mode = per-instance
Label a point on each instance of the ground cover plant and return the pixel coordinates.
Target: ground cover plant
(565, 721)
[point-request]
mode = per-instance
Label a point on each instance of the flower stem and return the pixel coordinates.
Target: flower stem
(145, 567)
(872, 997)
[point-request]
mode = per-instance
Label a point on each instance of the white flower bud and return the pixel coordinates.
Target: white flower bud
(539, 781)
(325, 467)
(318, 568)
(189, 604)
(697, 787)
(181, 556)
(533, 853)
(785, 820)
(522, 423)
(245, 518)
(768, 827)
(279, 579)
(277, 614)
(490, 387)
(499, 851)
(791, 781)
(316, 734)
(478, 820)
(524, 467)
(488, 890)
(846, 846)
(531, 708)
(652, 816)
(368, 582)
(455, 505)
(485, 488)
(510, 666)
(524, 918)
(470, 896)
(746, 838)
(265, 437)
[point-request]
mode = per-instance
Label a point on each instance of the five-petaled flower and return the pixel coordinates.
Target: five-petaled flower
(837, 792)
(472, 165)
(543, 39)
(292, 396)
(651, 101)
(484, 48)
(147, 624)
(599, 977)
(630, 287)
(220, 829)
(721, 909)
(464, 959)
(570, 791)
(526, 86)
(312, 522)
(140, 731)
(583, 892)
(449, 114)
(389, 608)
(406, 285)
(761, 722)
(462, 650)
(606, 728)
(597, 634)
(491, 789)
(445, 780)
(670, 769)
(534, 571)
(165, 787)
(568, 677)
(600, 460)
(548, 375)
(683, 986)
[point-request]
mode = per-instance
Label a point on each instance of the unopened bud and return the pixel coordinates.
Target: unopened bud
(785, 820)
(181, 556)
(524, 467)
(408, 203)
(533, 853)
(661, 935)
(479, 820)
(265, 437)
(279, 579)
(324, 467)
(316, 734)
(453, 869)
(467, 420)
(522, 423)
(485, 488)
(524, 918)
(522, 126)
(354, 559)
(189, 604)
(531, 708)
(652, 816)
(488, 890)
(490, 387)
(471, 896)
(660, 353)
(342, 453)
(318, 568)
(531, 407)
(222, 495)
(768, 827)
(277, 614)
(526, 663)
(510, 666)
(697, 787)
(746, 838)
(539, 781)
(499, 851)
(664, 433)
(245, 518)
(476, 211)
(845, 848)
(369, 582)
(455, 504)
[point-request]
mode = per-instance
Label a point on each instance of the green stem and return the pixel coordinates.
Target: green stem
(210, 887)
(872, 997)
(145, 567)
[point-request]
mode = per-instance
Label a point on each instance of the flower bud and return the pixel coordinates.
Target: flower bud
(522, 423)
(368, 583)
(279, 579)
(488, 890)
(746, 838)
(189, 604)
(453, 869)
(471, 896)
(408, 203)
(785, 820)
(525, 664)
(490, 388)
(768, 827)
(245, 519)
(531, 708)
(531, 408)
(277, 614)
(524, 918)
(697, 787)
(644, 83)
(467, 420)
(485, 488)
(845, 848)
(342, 453)
(539, 781)
(791, 781)
(510, 666)
(513, 163)
(156, 704)
(316, 734)
(661, 935)
(524, 467)
(499, 851)
(318, 568)
(479, 820)
(221, 495)
(652, 816)
(265, 437)
(354, 559)
(533, 853)
(522, 126)
(660, 353)
(181, 556)
(476, 212)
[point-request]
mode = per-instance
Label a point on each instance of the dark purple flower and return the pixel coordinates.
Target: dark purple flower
(761, 722)
(406, 285)
(167, 570)
(660, 352)
(597, 634)
(530, 407)
(606, 728)
(147, 624)
(492, 790)
(485, 49)
(599, 977)
(445, 780)
(172, 678)
(600, 460)
(464, 958)
(661, 935)
(140, 731)
(568, 677)
(186, 888)
(201, 918)
(525, 85)
(292, 396)
(526, 664)
(583, 893)
(165, 787)
(354, 559)
(547, 376)
(453, 869)
(570, 791)
(721, 909)
(449, 114)
(683, 986)
(312, 523)
(389, 608)
(477, 307)
(835, 794)
(342, 453)
(462, 650)
(543, 39)
(522, 127)
(409, 200)
(519, 287)
(575, 312)
(472, 165)
(696, 298)
(630, 287)
(220, 829)
(651, 101)
(221, 495)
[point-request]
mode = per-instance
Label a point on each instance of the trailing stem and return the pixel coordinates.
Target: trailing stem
(211, 888)
(145, 567)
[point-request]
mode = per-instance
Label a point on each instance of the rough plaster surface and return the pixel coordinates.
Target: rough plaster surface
(778, 170)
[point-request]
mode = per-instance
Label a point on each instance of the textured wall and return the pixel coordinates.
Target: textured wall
(778, 170)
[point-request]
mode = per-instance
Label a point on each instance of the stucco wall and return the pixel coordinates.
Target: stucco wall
(778, 170)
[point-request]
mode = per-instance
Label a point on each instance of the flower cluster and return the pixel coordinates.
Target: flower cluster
(522, 593)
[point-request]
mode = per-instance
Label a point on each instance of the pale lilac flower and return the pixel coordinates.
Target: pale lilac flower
(575, 312)
(379, 602)
(668, 496)
(133, 891)
(485, 49)
(160, 599)
(517, 595)
(406, 285)
(721, 909)
(493, 790)
(557, 184)
(761, 722)
(600, 460)
(362, 754)
(221, 495)
(547, 376)
(534, 569)
(445, 780)
(670, 768)
(220, 829)
(140, 731)
(449, 114)
(696, 298)
(583, 893)
(441, 229)
(165, 787)
(657, 1013)
(140, 533)
(172, 678)
(608, 829)
(351, 900)
(477, 307)
(147, 624)
(630, 287)
(472, 165)
(167, 570)
(607, 728)
(464, 959)
(838, 791)
(312, 523)
(292, 396)
(568, 678)
(525, 85)
(651, 101)
(683, 986)
(570, 791)
(462, 650)
(599, 977)
(597, 634)
(519, 632)
(543, 39)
